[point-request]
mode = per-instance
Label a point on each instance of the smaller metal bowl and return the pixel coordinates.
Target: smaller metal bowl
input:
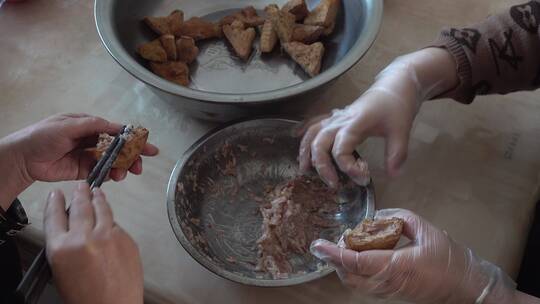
(215, 216)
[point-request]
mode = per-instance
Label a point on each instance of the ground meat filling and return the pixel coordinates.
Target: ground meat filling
(292, 219)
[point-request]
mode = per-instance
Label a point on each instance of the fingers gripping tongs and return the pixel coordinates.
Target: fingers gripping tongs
(39, 274)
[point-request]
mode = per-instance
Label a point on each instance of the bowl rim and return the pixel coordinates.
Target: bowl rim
(102, 18)
(203, 260)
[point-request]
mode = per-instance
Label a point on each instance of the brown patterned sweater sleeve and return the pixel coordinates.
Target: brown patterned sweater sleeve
(497, 56)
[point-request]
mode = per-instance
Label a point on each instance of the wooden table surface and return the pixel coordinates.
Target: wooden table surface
(472, 170)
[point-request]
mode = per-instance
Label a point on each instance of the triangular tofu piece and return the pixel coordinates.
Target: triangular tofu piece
(283, 24)
(324, 14)
(296, 7)
(309, 57)
(152, 51)
(199, 29)
(187, 50)
(247, 15)
(166, 25)
(269, 37)
(174, 71)
(240, 38)
(271, 9)
(169, 45)
(307, 34)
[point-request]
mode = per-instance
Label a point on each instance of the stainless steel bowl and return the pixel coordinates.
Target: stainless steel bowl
(215, 216)
(223, 87)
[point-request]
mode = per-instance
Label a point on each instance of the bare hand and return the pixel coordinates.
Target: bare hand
(93, 260)
(53, 149)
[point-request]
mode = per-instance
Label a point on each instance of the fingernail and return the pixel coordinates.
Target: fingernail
(323, 178)
(51, 195)
(97, 191)
(329, 183)
(314, 248)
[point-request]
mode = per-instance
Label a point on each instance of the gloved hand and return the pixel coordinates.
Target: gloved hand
(386, 110)
(433, 268)
(92, 259)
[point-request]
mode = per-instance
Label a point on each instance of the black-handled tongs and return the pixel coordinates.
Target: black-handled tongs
(39, 274)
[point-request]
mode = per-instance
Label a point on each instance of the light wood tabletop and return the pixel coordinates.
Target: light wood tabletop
(472, 170)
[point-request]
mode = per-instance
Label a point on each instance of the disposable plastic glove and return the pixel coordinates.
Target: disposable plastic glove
(433, 268)
(386, 110)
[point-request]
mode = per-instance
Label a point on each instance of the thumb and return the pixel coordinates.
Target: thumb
(397, 146)
(365, 263)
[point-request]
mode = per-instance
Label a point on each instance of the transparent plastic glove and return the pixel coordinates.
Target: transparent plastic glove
(386, 110)
(433, 268)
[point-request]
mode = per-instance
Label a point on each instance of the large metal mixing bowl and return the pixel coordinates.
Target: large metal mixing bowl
(215, 214)
(222, 86)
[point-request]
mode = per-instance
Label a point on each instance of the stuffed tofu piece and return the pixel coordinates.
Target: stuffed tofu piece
(240, 38)
(283, 24)
(166, 25)
(296, 7)
(187, 50)
(152, 51)
(168, 43)
(325, 15)
(174, 71)
(200, 29)
(132, 149)
(307, 34)
(247, 15)
(269, 36)
(309, 57)
(374, 235)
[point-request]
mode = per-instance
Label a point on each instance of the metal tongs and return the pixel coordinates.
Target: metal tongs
(39, 274)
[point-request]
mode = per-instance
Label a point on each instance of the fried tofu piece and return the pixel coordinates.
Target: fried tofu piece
(307, 34)
(247, 15)
(324, 14)
(186, 49)
(329, 30)
(271, 9)
(174, 71)
(169, 45)
(166, 25)
(199, 29)
(130, 152)
(382, 234)
(240, 38)
(283, 24)
(296, 7)
(269, 37)
(152, 51)
(309, 57)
